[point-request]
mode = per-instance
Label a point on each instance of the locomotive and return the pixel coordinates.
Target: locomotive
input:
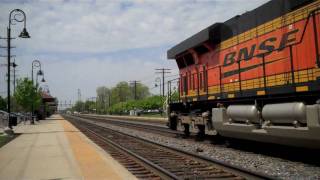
(255, 76)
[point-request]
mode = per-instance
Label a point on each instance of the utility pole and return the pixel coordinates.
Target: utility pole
(135, 88)
(79, 99)
(79, 95)
(163, 71)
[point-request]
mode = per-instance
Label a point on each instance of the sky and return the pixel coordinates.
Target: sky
(84, 44)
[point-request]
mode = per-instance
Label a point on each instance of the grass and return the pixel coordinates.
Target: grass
(152, 115)
(5, 139)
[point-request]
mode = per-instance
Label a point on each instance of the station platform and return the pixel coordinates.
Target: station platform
(55, 149)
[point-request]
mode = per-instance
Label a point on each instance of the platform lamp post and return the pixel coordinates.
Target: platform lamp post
(158, 80)
(14, 17)
(40, 73)
(35, 64)
(14, 65)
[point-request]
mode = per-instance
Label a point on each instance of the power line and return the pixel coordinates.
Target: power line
(163, 71)
(135, 88)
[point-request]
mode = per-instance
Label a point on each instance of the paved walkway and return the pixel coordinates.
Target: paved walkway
(55, 149)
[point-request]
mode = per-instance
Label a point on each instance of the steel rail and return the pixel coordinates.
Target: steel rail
(229, 167)
(136, 156)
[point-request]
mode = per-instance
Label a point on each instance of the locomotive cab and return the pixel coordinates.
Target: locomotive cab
(255, 76)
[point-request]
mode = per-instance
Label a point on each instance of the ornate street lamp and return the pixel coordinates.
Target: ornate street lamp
(158, 80)
(40, 73)
(14, 17)
(35, 64)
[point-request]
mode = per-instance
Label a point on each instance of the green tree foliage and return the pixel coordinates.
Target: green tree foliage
(79, 106)
(3, 104)
(122, 93)
(26, 93)
(118, 98)
(174, 96)
(87, 106)
(103, 100)
(142, 91)
(15, 107)
(90, 106)
(153, 102)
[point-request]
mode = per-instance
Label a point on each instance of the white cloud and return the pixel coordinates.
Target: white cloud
(100, 27)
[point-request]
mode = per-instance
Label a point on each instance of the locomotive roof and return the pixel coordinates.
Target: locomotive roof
(219, 32)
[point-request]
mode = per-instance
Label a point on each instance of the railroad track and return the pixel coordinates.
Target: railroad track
(149, 160)
(144, 120)
(153, 128)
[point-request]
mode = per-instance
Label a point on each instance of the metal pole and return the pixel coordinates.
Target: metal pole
(32, 105)
(163, 82)
(135, 90)
(35, 63)
(14, 75)
(163, 71)
(24, 34)
(37, 80)
(8, 87)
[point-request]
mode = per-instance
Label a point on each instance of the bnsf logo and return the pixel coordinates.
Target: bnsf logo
(267, 46)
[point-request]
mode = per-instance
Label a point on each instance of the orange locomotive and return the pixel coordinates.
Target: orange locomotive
(255, 76)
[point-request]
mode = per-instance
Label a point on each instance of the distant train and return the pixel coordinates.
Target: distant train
(255, 76)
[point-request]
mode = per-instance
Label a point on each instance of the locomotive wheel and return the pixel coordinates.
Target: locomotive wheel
(201, 132)
(173, 123)
(218, 139)
(186, 130)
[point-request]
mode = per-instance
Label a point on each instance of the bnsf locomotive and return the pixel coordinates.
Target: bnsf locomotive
(255, 76)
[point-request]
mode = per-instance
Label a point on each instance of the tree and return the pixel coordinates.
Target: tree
(152, 102)
(3, 104)
(90, 106)
(103, 99)
(120, 93)
(27, 94)
(79, 106)
(142, 91)
(124, 92)
(115, 99)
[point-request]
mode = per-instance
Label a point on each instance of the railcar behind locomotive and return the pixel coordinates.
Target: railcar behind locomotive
(255, 76)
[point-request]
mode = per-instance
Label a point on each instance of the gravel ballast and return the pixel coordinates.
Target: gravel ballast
(281, 168)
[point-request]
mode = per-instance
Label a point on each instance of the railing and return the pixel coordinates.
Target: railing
(3, 122)
(174, 90)
(262, 81)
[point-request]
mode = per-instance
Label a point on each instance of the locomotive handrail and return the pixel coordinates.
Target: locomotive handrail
(262, 56)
